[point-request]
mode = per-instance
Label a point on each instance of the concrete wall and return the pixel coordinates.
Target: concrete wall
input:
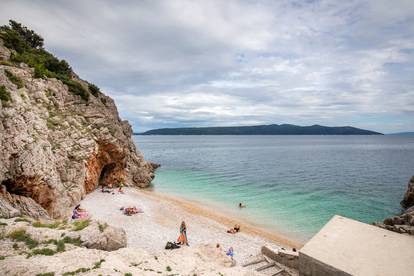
(287, 258)
(348, 247)
(311, 267)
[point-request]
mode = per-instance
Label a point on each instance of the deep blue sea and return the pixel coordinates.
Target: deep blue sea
(290, 184)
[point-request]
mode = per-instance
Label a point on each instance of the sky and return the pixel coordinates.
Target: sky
(223, 63)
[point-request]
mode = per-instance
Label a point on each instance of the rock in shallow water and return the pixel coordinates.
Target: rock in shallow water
(408, 200)
(404, 223)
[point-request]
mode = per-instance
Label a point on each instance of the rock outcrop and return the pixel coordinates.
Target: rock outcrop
(55, 146)
(101, 236)
(408, 200)
(404, 223)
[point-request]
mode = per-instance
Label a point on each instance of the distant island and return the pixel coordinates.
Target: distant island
(274, 129)
(402, 133)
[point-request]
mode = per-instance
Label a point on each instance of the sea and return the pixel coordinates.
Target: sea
(291, 185)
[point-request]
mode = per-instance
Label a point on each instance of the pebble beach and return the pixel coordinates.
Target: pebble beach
(161, 218)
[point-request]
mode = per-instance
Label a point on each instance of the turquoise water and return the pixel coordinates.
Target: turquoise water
(291, 184)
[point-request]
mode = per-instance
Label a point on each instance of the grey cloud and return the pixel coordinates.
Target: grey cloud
(176, 63)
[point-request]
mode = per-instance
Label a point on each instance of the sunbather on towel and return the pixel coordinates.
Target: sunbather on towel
(79, 213)
(234, 230)
(129, 211)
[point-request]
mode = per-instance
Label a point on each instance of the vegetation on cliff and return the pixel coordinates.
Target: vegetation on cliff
(28, 48)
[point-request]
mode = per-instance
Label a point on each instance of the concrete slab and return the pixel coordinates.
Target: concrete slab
(348, 247)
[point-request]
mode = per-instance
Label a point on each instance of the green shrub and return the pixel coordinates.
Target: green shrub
(98, 264)
(20, 38)
(59, 67)
(4, 94)
(13, 40)
(79, 270)
(102, 227)
(168, 268)
(20, 219)
(60, 246)
(39, 72)
(75, 241)
(30, 37)
(53, 225)
(94, 89)
(22, 236)
(128, 274)
(3, 224)
(46, 274)
(2, 258)
(44, 251)
(14, 79)
(80, 224)
(6, 62)
(76, 88)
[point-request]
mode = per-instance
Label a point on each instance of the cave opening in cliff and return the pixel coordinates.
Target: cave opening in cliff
(31, 187)
(105, 176)
(12, 188)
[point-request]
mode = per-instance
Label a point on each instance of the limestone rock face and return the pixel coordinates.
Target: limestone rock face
(404, 223)
(55, 147)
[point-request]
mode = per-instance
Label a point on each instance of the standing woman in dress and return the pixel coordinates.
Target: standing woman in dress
(182, 239)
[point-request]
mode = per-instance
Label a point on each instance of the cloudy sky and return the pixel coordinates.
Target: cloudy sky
(216, 63)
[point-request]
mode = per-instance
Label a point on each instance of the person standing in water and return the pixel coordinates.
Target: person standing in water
(182, 239)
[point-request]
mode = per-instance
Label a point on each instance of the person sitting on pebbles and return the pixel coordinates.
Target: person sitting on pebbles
(234, 230)
(230, 252)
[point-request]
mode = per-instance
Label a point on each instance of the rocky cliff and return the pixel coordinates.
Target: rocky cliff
(404, 223)
(59, 135)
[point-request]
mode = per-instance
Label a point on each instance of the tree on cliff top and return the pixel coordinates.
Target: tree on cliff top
(20, 38)
(28, 48)
(33, 39)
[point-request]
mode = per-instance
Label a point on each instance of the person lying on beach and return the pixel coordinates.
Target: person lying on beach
(234, 230)
(241, 205)
(79, 213)
(105, 190)
(129, 211)
(182, 238)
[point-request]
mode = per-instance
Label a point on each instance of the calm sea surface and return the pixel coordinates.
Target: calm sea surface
(291, 184)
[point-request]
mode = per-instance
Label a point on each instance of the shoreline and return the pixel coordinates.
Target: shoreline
(162, 215)
(199, 209)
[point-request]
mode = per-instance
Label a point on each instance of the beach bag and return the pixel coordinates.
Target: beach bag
(171, 245)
